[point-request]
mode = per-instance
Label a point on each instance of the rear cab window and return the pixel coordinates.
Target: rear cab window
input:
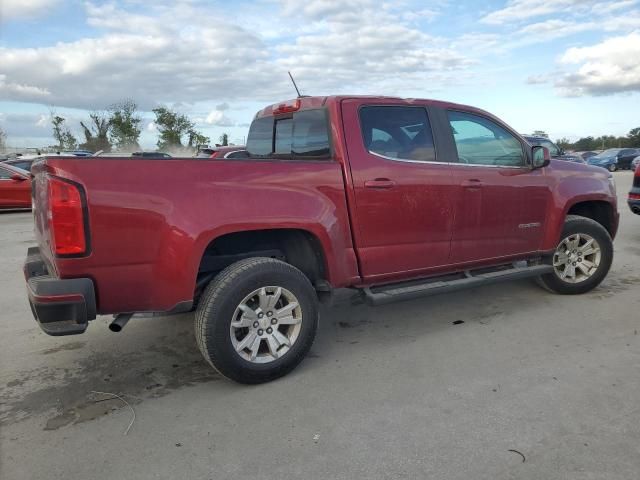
(303, 135)
(397, 132)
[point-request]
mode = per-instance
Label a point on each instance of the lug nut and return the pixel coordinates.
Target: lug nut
(260, 315)
(256, 324)
(269, 314)
(269, 330)
(574, 264)
(260, 332)
(274, 321)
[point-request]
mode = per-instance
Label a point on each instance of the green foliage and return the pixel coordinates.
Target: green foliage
(125, 125)
(62, 134)
(172, 127)
(196, 138)
(632, 140)
(224, 139)
(96, 135)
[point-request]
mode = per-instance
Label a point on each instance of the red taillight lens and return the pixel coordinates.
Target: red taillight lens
(634, 196)
(66, 219)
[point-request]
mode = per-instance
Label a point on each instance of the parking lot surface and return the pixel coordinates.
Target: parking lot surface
(504, 381)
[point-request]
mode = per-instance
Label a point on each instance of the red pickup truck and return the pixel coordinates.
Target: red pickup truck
(397, 198)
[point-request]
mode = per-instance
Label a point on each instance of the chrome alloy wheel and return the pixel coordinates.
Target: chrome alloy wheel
(577, 258)
(266, 324)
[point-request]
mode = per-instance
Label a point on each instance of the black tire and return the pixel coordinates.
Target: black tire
(219, 302)
(613, 167)
(572, 225)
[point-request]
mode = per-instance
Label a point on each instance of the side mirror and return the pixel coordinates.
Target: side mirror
(17, 178)
(541, 156)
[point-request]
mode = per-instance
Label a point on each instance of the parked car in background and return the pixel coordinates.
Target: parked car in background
(555, 151)
(232, 151)
(635, 163)
(133, 155)
(15, 187)
(151, 155)
(586, 155)
(634, 194)
(614, 158)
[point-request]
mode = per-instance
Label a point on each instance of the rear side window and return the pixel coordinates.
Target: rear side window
(402, 133)
(4, 174)
(304, 135)
(260, 139)
(480, 141)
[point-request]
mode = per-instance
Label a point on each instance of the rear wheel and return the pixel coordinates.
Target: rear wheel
(613, 167)
(256, 320)
(582, 258)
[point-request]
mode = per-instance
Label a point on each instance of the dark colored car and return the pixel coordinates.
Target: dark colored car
(393, 198)
(634, 194)
(554, 150)
(21, 163)
(151, 155)
(586, 155)
(614, 158)
(15, 187)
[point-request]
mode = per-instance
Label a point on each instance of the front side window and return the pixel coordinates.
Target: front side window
(304, 135)
(402, 133)
(480, 141)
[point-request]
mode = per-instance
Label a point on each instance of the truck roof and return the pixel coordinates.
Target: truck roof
(306, 103)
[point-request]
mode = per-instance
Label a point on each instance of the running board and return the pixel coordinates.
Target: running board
(379, 295)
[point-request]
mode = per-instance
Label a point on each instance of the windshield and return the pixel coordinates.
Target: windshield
(607, 153)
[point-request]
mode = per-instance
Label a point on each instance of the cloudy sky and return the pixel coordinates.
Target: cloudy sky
(570, 67)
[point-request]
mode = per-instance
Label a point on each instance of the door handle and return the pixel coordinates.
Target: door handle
(472, 183)
(380, 183)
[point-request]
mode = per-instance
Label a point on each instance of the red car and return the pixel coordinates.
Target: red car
(15, 188)
(393, 198)
(634, 194)
(232, 151)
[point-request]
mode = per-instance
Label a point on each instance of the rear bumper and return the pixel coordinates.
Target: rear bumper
(60, 306)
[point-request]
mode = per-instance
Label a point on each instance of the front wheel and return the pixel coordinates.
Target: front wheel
(613, 167)
(582, 258)
(256, 320)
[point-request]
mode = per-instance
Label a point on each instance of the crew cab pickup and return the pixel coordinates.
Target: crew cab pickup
(394, 198)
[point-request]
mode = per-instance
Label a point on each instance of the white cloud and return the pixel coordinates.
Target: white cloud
(13, 9)
(175, 53)
(518, 10)
(218, 118)
(605, 68)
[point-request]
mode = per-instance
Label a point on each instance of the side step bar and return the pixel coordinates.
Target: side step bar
(380, 295)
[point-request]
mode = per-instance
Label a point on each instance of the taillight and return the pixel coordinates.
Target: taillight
(634, 196)
(66, 218)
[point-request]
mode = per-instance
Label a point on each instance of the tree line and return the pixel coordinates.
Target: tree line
(631, 140)
(118, 128)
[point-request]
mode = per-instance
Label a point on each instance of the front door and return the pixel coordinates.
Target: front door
(403, 192)
(501, 201)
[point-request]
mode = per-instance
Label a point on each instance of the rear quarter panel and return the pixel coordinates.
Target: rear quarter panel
(151, 220)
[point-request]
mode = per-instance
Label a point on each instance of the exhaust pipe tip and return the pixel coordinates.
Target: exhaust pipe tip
(119, 322)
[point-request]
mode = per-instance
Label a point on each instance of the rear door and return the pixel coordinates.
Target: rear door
(626, 156)
(501, 201)
(403, 191)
